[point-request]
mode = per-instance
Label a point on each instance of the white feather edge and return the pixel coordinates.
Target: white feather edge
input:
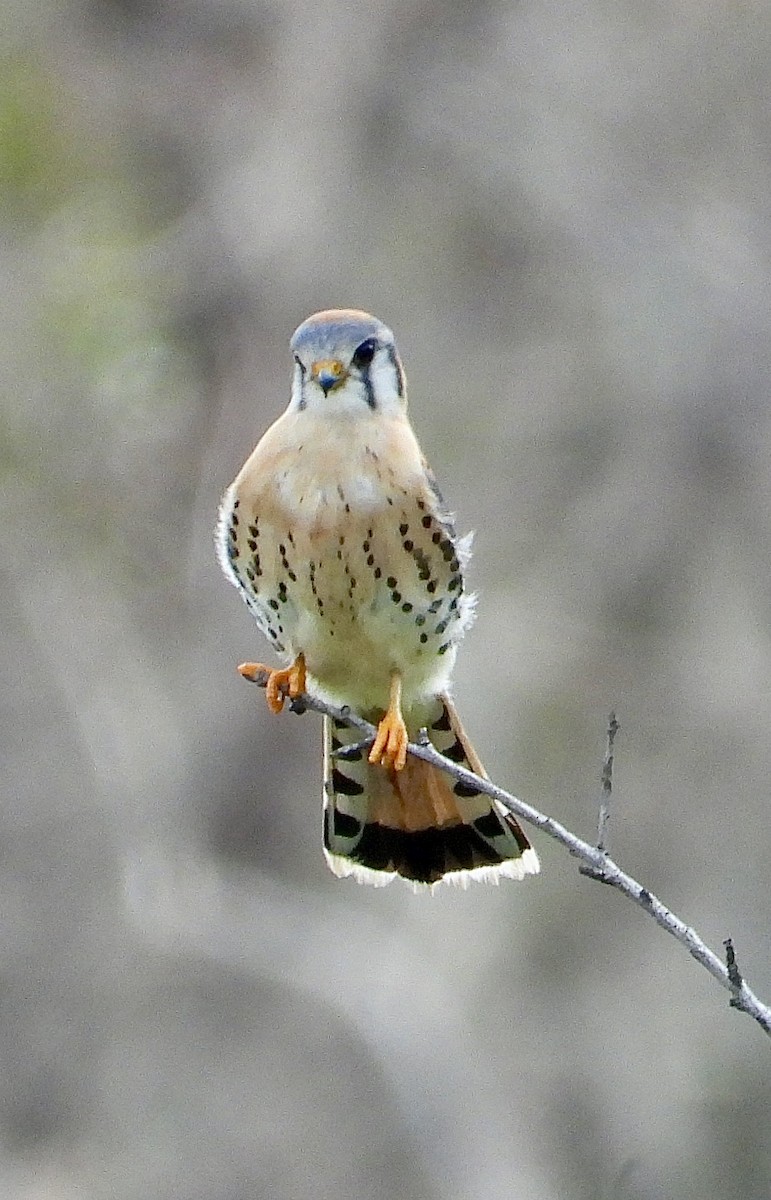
(512, 868)
(221, 536)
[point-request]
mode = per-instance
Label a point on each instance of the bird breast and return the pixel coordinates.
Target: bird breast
(348, 558)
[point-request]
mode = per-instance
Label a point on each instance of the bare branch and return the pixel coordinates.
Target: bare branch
(596, 862)
(607, 783)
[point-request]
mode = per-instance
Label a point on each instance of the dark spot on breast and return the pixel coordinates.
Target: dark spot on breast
(390, 582)
(441, 627)
(403, 528)
(407, 607)
(444, 648)
(422, 563)
(436, 536)
(273, 604)
(370, 559)
(420, 619)
(377, 572)
(396, 597)
(454, 583)
(426, 522)
(408, 545)
(252, 544)
(424, 638)
(431, 586)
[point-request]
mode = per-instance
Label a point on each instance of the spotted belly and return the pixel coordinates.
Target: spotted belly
(359, 598)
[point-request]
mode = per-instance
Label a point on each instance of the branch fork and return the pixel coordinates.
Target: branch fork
(595, 861)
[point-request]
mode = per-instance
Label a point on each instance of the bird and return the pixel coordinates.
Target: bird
(337, 537)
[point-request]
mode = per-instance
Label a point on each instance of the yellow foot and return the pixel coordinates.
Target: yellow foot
(290, 681)
(390, 745)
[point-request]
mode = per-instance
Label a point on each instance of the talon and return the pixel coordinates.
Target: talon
(289, 681)
(390, 745)
(274, 690)
(253, 671)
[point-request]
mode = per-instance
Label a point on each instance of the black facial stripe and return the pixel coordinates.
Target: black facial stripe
(369, 390)
(301, 381)
(393, 358)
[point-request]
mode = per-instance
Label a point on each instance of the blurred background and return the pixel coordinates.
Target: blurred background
(564, 213)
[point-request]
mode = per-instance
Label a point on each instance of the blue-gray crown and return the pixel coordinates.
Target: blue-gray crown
(326, 333)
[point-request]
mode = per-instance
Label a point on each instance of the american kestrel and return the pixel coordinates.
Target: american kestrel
(337, 537)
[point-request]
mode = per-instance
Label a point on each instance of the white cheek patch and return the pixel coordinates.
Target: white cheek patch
(298, 399)
(385, 382)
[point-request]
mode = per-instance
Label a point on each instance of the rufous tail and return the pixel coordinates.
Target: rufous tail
(418, 823)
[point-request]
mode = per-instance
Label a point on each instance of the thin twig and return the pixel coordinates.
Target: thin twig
(606, 791)
(734, 974)
(600, 864)
(607, 784)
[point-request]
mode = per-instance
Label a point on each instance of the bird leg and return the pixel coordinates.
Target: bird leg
(289, 681)
(390, 745)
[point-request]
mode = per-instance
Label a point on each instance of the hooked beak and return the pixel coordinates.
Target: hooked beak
(328, 373)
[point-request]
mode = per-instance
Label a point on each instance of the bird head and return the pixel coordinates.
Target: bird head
(346, 362)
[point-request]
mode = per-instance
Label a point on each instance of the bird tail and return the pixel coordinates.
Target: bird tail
(418, 823)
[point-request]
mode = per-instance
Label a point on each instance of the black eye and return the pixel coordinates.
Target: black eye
(363, 354)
